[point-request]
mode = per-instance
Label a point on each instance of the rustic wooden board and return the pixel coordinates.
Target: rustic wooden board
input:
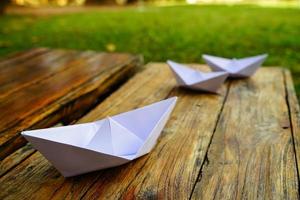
(20, 57)
(15, 158)
(294, 111)
(17, 76)
(56, 85)
(252, 154)
(208, 149)
(170, 170)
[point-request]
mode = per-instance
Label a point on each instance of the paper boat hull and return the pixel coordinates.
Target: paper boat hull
(211, 85)
(196, 80)
(246, 67)
(248, 71)
(82, 148)
(214, 66)
(71, 160)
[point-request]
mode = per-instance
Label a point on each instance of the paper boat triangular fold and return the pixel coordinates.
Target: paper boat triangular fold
(195, 79)
(237, 68)
(113, 141)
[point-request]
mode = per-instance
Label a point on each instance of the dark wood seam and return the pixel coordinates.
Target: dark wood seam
(212, 136)
(63, 104)
(287, 98)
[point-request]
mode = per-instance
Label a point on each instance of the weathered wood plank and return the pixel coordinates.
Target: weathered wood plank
(74, 90)
(18, 76)
(252, 155)
(170, 170)
(294, 110)
(15, 158)
(20, 57)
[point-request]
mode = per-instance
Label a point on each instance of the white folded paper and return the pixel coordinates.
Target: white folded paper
(195, 79)
(113, 141)
(237, 68)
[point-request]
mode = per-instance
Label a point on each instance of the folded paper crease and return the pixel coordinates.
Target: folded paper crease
(195, 79)
(238, 68)
(109, 142)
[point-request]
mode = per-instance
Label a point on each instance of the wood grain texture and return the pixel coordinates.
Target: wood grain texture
(18, 76)
(15, 158)
(235, 145)
(57, 89)
(252, 155)
(22, 56)
(294, 111)
(169, 171)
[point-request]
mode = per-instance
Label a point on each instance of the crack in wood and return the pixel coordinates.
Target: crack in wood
(287, 98)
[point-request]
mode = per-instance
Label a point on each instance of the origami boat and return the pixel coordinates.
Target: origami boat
(195, 79)
(238, 68)
(113, 141)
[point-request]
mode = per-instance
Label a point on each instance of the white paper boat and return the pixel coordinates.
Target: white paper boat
(110, 142)
(238, 68)
(195, 79)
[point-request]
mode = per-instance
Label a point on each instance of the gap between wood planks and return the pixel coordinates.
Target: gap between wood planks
(292, 108)
(206, 160)
(138, 172)
(202, 164)
(64, 122)
(110, 82)
(69, 187)
(288, 98)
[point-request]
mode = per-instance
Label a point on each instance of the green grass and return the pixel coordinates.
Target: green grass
(159, 33)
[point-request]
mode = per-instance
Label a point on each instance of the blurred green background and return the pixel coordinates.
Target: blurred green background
(181, 33)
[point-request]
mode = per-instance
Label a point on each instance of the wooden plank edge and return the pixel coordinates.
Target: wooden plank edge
(294, 112)
(78, 107)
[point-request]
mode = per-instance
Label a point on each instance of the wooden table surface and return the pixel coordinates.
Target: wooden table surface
(41, 87)
(243, 143)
